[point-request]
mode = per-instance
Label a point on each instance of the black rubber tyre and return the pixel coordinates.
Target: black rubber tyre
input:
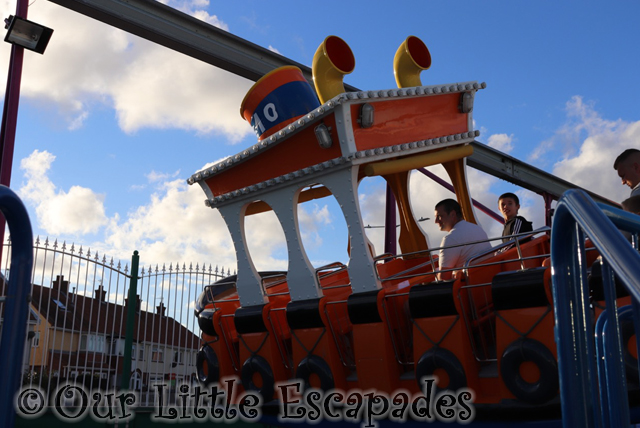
(440, 358)
(529, 350)
(315, 365)
(257, 364)
(207, 356)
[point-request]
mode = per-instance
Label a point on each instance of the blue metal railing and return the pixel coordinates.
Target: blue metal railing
(16, 306)
(590, 400)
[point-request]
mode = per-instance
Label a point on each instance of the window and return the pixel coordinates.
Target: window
(117, 346)
(60, 305)
(35, 342)
(157, 354)
(140, 351)
(92, 343)
(156, 379)
(178, 357)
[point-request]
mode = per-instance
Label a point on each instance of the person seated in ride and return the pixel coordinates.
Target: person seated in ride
(632, 204)
(449, 218)
(509, 204)
(627, 164)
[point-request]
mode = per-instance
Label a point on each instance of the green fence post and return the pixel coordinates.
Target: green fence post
(131, 318)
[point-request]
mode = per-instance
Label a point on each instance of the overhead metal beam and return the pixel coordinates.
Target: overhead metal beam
(183, 33)
(501, 165)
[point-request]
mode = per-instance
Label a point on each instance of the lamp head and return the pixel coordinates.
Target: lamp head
(27, 34)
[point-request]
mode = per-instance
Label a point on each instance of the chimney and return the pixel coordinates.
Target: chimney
(100, 293)
(138, 302)
(161, 309)
(60, 286)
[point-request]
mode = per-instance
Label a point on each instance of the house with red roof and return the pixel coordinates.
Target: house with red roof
(77, 336)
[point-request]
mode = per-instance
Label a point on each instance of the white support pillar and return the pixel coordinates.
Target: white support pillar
(301, 278)
(248, 284)
(344, 186)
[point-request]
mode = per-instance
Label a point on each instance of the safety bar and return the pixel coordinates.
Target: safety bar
(228, 341)
(405, 274)
(515, 239)
(348, 361)
(400, 275)
(209, 294)
(17, 301)
(402, 358)
(283, 279)
(338, 266)
(285, 354)
(480, 357)
(577, 215)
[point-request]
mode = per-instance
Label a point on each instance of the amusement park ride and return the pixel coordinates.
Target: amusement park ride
(380, 322)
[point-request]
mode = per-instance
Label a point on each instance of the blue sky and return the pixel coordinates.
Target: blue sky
(111, 126)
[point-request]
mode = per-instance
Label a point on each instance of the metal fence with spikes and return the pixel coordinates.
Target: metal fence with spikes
(79, 313)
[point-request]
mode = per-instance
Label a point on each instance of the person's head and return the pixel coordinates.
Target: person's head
(508, 204)
(628, 167)
(448, 213)
(632, 204)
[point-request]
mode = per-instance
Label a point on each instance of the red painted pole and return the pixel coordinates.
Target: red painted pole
(497, 217)
(10, 113)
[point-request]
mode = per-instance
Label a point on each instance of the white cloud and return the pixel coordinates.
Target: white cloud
(312, 218)
(502, 142)
(77, 211)
(154, 176)
(174, 225)
(586, 146)
(89, 63)
(371, 197)
(266, 240)
(163, 89)
(196, 8)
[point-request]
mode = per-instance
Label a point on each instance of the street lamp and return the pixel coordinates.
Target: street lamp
(27, 34)
(22, 34)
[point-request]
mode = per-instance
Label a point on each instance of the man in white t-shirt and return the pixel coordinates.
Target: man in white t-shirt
(449, 218)
(627, 164)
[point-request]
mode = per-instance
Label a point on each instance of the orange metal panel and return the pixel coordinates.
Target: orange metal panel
(409, 120)
(299, 151)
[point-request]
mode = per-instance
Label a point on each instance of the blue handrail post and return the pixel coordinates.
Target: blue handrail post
(601, 356)
(615, 381)
(16, 312)
(577, 214)
(635, 304)
(573, 329)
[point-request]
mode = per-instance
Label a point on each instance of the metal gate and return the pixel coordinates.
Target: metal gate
(78, 320)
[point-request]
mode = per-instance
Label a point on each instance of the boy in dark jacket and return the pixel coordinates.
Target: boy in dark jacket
(509, 204)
